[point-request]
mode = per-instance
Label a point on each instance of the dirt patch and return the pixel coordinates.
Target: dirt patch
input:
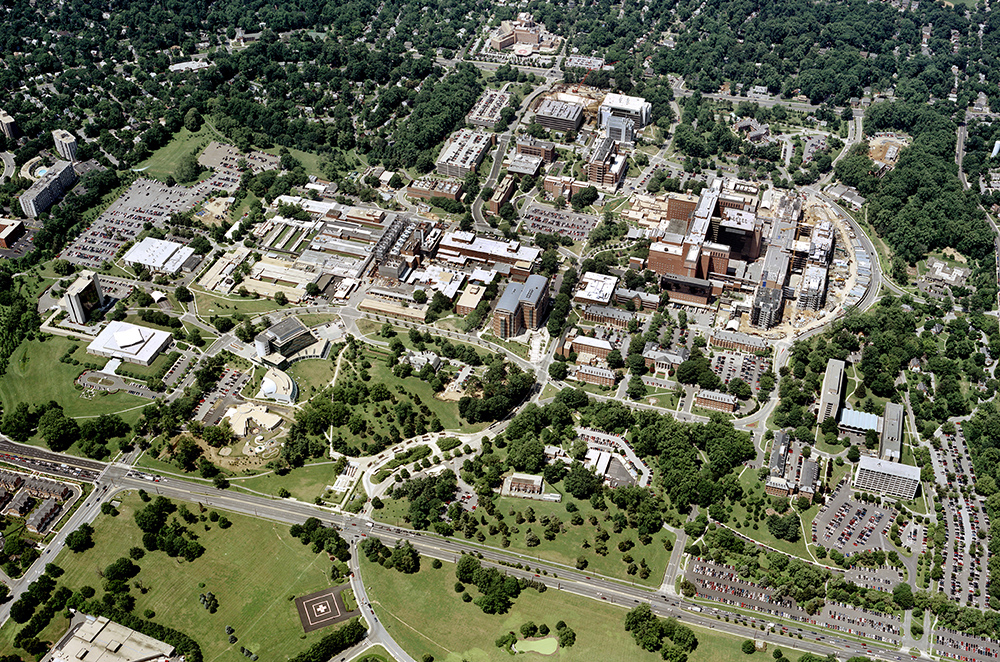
(951, 253)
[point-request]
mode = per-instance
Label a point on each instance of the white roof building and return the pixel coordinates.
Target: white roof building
(159, 255)
(129, 343)
(596, 289)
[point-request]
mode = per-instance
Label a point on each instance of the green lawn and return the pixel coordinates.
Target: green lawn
(36, 374)
(311, 162)
(567, 545)
(317, 319)
(415, 388)
(214, 304)
(305, 483)
(375, 654)
(751, 485)
(164, 161)
(311, 375)
(401, 603)
(253, 568)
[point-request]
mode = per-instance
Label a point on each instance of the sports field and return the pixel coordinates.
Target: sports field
(421, 612)
(254, 567)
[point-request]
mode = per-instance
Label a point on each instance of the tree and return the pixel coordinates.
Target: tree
(748, 647)
(183, 294)
(81, 539)
(636, 388)
(420, 296)
(192, 120)
(853, 453)
(902, 594)
(558, 370)
(615, 359)
(580, 482)
(58, 431)
(280, 298)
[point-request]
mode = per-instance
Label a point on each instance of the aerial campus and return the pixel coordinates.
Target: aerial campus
(455, 331)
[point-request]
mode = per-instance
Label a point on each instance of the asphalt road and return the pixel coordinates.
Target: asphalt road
(114, 480)
(8, 165)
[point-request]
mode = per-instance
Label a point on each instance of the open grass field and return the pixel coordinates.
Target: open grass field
(164, 161)
(311, 375)
(414, 388)
(372, 328)
(305, 483)
(568, 545)
(36, 374)
(751, 485)
(214, 304)
(318, 318)
(253, 568)
(311, 162)
(401, 603)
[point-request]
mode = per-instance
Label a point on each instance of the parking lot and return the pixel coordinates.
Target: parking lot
(729, 365)
(966, 647)
(567, 224)
(850, 526)
(22, 245)
(226, 394)
(721, 583)
(964, 579)
(145, 201)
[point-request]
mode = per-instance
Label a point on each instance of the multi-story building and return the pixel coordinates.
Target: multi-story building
(524, 164)
(606, 166)
(10, 232)
(533, 147)
(283, 340)
(464, 152)
(426, 188)
(715, 400)
(892, 432)
(664, 360)
(615, 317)
(502, 194)
(812, 292)
(470, 299)
(768, 307)
(462, 247)
(65, 144)
(588, 349)
(48, 189)
(559, 115)
(7, 125)
(83, 296)
(855, 425)
(889, 478)
(43, 516)
(741, 342)
(619, 105)
(640, 300)
(523, 31)
(591, 374)
(833, 386)
(595, 288)
(621, 129)
(486, 111)
(522, 306)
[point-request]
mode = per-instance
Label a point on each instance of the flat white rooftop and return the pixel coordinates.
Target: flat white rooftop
(158, 255)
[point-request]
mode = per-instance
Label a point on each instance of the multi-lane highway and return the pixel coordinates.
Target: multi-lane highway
(116, 477)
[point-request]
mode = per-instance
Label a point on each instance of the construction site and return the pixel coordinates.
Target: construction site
(841, 280)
